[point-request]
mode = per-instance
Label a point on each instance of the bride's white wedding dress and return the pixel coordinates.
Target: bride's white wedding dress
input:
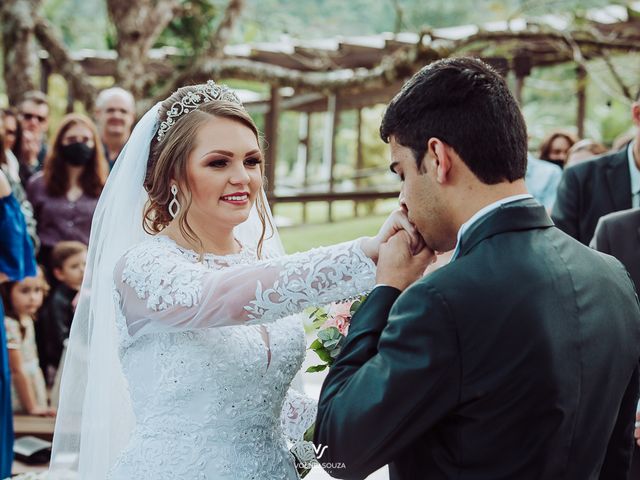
(209, 349)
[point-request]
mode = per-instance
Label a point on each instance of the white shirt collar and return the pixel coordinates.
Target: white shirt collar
(633, 170)
(481, 213)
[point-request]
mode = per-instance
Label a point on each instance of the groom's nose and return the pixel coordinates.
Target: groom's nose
(403, 204)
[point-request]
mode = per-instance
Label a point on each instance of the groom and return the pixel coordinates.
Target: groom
(518, 359)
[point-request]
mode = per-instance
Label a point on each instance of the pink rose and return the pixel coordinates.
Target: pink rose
(339, 316)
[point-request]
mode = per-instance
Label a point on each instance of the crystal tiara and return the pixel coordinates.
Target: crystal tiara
(208, 92)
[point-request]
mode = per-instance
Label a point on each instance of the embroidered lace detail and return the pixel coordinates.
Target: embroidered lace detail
(313, 278)
(207, 402)
(164, 286)
(154, 276)
(298, 414)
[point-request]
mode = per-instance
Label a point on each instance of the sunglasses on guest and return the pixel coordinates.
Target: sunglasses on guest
(31, 116)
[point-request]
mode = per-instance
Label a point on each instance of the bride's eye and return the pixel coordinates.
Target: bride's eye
(252, 162)
(221, 163)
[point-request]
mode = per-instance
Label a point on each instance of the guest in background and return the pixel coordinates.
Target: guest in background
(65, 194)
(542, 179)
(68, 261)
(555, 147)
(592, 189)
(584, 149)
(622, 140)
(9, 165)
(33, 114)
(22, 300)
(114, 113)
(618, 234)
(9, 118)
(16, 262)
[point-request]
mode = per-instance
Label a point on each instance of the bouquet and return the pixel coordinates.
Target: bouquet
(332, 324)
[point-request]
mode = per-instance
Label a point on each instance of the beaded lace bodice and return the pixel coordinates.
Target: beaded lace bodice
(209, 349)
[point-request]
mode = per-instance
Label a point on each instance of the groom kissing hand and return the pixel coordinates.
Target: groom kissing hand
(398, 266)
(516, 360)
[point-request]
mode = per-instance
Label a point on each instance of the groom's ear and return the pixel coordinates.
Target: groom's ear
(439, 157)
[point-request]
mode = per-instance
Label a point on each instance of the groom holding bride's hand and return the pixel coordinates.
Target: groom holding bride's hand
(519, 358)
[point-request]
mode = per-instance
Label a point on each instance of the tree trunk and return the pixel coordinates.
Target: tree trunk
(18, 46)
(215, 51)
(138, 24)
(62, 63)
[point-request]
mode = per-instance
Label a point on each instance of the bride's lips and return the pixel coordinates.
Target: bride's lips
(237, 198)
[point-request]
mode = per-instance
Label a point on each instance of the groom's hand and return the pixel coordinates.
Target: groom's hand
(395, 222)
(398, 267)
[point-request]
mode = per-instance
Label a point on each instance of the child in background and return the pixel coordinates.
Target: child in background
(68, 260)
(22, 301)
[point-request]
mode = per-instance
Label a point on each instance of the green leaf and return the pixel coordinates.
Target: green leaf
(331, 333)
(316, 368)
(354, 307)
(335, 352)
(331, 344)
(308, 435)
(324, 355)
(316, 344)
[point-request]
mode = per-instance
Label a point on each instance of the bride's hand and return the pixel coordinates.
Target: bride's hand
(395, 222)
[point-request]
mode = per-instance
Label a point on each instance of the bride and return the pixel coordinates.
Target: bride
(185, 340)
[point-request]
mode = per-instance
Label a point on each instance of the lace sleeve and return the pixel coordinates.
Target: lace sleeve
(298, 414)
(159, 289)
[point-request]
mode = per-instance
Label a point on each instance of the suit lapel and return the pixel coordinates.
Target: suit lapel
(619, 181)
(522, 215)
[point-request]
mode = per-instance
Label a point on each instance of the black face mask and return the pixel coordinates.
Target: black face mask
(77, 154)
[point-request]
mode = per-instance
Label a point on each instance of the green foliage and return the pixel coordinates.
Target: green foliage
(83, 23)
(191, 31)
(549, 93)
(304, 237)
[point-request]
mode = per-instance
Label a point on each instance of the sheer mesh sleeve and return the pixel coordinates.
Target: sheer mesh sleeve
(298, 414)
(159, 289)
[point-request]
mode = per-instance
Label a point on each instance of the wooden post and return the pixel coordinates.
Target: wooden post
(519, 88)
(45, 71)
(329, 153)
(581, 92)
(359, 158)
(304, 131)
(70, 98)
(522, 69)
(271, 134)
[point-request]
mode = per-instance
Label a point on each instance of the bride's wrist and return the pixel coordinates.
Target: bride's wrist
(370, 246)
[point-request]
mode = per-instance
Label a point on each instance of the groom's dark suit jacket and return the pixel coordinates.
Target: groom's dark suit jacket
(518, 361)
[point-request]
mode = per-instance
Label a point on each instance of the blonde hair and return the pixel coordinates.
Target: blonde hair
(168, 163)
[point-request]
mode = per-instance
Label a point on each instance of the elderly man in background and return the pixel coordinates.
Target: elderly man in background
(114, 114)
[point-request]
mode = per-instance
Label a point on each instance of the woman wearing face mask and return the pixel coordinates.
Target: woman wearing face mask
(64, 195)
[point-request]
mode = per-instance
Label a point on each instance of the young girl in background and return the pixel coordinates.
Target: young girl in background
(22, 301)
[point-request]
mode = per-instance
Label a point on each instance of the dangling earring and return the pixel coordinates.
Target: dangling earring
(174, 206)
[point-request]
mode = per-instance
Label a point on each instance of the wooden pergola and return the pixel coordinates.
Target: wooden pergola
(384, 62)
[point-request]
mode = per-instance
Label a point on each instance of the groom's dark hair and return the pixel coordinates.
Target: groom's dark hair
(466, 104)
